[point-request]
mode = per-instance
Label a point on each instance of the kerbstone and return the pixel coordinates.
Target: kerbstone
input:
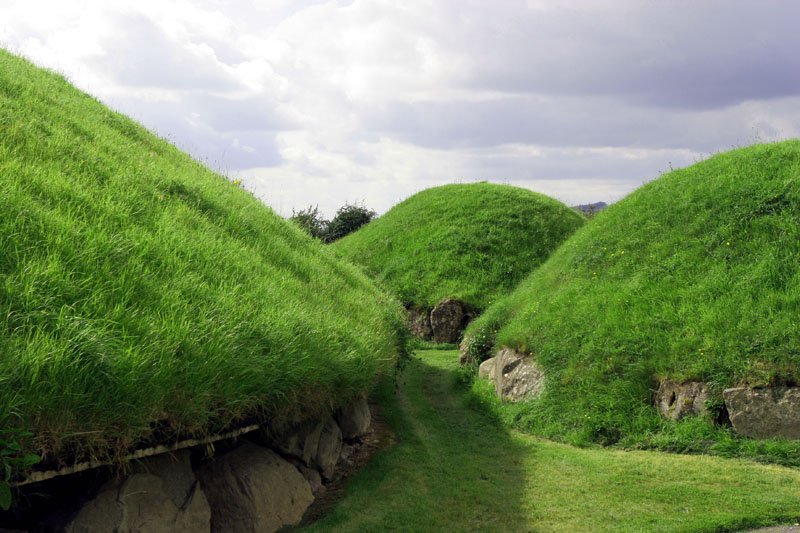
(516, 376)
(486, 369)
(676, 400)
(447, 320)
(764, 413)
(161, 495)
(354, 420)
(253, 490)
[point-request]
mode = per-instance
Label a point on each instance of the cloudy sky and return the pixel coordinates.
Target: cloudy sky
(327, 102)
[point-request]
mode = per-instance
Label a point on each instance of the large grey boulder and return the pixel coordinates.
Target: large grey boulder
(161, 494)
(447, 320)
(516, 376)
(253, 490)
(354, 420)
(486, 369)
(675, 400)
(764, 413)
(419, 324)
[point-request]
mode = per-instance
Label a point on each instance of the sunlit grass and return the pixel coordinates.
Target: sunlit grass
(457, 467)
(472, 242)
(143, 296)
(695, 276)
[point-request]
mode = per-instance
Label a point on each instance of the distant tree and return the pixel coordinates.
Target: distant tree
(310, 221)
(348, 218)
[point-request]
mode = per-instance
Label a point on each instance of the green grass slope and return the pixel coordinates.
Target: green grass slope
(696, 275)
(144, 297)
(471, 242)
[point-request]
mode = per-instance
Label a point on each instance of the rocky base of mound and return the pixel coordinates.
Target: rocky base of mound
(260, 482)
(760, 413)
(442, 324)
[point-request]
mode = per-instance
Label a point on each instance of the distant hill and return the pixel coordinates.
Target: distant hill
(471, 242)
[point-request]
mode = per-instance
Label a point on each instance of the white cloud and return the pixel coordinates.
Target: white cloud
(326, 101)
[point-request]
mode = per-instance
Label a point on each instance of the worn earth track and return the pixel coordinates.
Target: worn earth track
(440, 465)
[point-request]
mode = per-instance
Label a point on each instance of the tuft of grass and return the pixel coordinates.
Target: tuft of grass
(695, 276)
(472, 242)
(145, 298)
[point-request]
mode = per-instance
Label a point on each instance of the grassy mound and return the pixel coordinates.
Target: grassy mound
(471, 242)
(696, 275)
(144, 297)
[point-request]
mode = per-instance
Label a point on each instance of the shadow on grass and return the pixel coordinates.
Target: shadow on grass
(452, 469)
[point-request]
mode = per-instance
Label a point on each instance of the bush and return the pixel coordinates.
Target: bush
(310, 221)
(348, 219)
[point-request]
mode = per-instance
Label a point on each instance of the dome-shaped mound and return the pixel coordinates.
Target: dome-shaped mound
(695, 276)
(145, 298)
(470, 242)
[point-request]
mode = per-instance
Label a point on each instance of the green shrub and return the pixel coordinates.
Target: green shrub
(348, 219)
(310, 221)
(12, 459)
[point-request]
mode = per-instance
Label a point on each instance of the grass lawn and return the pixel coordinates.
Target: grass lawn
(456, 468)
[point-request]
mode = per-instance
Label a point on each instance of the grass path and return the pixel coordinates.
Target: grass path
(455, 469)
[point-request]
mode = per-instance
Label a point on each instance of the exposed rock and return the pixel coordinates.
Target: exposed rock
(419, 324)
(354, 419)
(301, 441)
(330, 446)
(317, 444)
(347, 451)
(160, 495)
(447, 320)
(676, 400)
(516, 376)
(765, 413)
(486, 370)
(463, 351)
(252, 489)
(313, 477)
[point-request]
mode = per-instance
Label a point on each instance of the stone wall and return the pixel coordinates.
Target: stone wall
(257, 483)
